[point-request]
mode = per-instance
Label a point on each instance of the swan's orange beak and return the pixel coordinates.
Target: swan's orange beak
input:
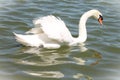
(100, 20)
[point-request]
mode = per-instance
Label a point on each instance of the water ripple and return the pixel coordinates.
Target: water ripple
(96, 60)
(45, 74)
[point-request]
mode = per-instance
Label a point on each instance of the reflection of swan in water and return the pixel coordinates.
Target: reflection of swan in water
(40, 57)
(56, 74)
(49, 57)
(51, 32)
(63, 55)
(45, 74)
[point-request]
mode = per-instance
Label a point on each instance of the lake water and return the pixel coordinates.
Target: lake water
(98, 59)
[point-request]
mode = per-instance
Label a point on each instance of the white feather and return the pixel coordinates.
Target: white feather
(29, 40)
(54, 28)
(51, 32)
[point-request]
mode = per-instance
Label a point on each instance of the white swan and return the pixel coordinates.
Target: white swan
(51, 32)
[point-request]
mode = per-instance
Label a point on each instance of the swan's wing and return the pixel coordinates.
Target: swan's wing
(35, 30)
(54, 28)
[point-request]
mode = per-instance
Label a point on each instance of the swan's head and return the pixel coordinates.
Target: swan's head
(98, 15)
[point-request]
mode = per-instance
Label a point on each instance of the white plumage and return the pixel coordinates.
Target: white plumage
(51, 32)
(54, 28)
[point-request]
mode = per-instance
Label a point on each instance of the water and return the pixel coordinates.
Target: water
(99, 62)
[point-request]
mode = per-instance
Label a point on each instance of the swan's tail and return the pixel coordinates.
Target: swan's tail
(28, 40)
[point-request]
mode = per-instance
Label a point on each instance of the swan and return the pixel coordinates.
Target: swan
(51, 32)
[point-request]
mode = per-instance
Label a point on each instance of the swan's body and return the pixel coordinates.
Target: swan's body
(51, 32)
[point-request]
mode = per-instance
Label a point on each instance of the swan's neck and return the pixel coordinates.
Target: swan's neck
(82, 26)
